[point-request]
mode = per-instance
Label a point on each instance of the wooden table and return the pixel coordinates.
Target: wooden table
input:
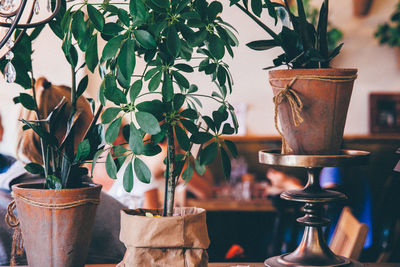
(215, 204)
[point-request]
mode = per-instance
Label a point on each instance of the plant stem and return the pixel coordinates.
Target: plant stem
(170, 174)
(262, 25)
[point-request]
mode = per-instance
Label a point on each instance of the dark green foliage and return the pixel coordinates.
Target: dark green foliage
(389, 32)
(305, 45)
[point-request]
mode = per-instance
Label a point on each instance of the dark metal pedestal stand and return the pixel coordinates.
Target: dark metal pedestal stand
(313, 249)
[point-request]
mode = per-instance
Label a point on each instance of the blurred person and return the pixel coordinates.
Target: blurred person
(105, 246)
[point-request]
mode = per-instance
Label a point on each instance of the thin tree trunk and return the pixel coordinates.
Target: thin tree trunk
(170, 174)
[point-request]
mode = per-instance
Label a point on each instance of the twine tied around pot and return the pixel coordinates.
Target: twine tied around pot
(295, 102)
(12, 220)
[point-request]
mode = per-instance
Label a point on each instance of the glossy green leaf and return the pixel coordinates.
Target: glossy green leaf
(213, 10)
(227, 129)
(112, 28)
(83, 150)
(82, 86)
(95, 158)
(226, 163)
(161, 3)
(34, 168)
(232, 147)
(256, 6)
(262, 45)
(184, 67)
(155, 81)
(182, 138)
(128, 178)
(145, 39)
(91, 56)
(109, 114)
(180, 79)
(179, 100)
(167, 88)
(142, 171)
(111, 48)
(190, 114)
(111, 168)
(208, 154)
(187, 173)
(135, 140)
(216, 46)
(124, 17)
(173, 41)
(113, 130)
(95, 17)
(200, 169)
(27, 101)
(78, 26)
(127, 59)
(201, 137)
(147, 122)
(135, 89)
(189, 125)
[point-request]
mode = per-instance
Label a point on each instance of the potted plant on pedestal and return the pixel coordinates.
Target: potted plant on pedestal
(311, 99)
(389, 33)
(172, 39)
(59, 134)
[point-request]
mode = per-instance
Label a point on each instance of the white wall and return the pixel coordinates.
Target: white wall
(376, 64)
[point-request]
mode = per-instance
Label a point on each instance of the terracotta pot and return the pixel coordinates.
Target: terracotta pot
(56, 236)
(361, 7)
(325, 105)
(179, 241)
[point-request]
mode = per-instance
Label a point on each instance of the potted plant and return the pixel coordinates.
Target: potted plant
(172, 39)
(389, 32)
(311, 99)
(60, 134)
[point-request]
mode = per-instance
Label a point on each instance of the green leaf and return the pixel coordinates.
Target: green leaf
(210, 123)
(111, 168)
(113, 130)
(142, 171)
(180, 79)
(127, 59)
(184, 67)
(83, 150)
(261, 45)
(78, 26)
(151, 150)
(95, 17)
(34, 168)
(208, 154)
(147, 122)
(201, 137)
(128, 178)
(179, 100)
(109, 114)
(27, 101)
(227, 129)
(53, 182)
(182, 138)
(145, 39)
(167, 88)
(91, 56)
(135, 140)
(111, 48)
(216, 46)
(232, 147)
(135, 89)
(112, 28)
(161, 3)
(256, 6)
(200, 169)
(190, 114)
(82, 86)
(213, 10)
(155, 81)
(189, 125)
(226, 163)
(173, 41)
(187, 173)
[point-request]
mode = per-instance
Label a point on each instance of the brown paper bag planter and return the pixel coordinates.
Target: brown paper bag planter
(56, 224)
(312, 107)
(177, 241)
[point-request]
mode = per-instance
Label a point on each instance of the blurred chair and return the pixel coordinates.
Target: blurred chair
(349, 236)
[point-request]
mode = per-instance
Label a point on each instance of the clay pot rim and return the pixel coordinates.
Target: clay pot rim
(39, 187)
(287, 72)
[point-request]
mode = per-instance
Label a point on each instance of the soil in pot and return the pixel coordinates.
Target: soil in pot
(179, 241)
(56, 224)
(312, 107)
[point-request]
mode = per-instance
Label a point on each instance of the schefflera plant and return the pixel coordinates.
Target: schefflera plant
(173, 38)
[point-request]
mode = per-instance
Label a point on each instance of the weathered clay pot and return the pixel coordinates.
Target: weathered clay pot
(361, 7)
(325, 105)
(179, 241)
(56, 224)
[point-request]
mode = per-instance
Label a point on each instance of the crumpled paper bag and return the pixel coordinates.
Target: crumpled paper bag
(178, 241)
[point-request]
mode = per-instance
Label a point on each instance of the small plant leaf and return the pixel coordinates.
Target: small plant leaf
(111, 168)
(128, 178)
(113, 130)
(142, 171)
(147, 122)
